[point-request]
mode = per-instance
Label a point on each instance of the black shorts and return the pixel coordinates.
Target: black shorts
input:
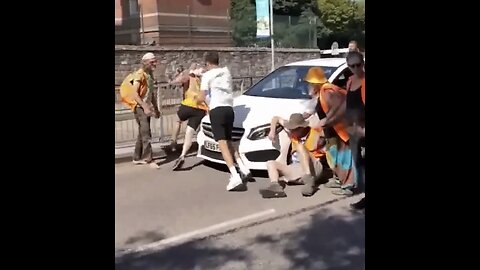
(221, 119)
(193, 115)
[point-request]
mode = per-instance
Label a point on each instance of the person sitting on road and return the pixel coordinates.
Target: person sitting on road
(192, 110)
(306, 152)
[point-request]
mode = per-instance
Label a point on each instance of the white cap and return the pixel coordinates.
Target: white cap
(148, 56)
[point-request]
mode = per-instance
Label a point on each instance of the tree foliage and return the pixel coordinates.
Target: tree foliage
(296, 21)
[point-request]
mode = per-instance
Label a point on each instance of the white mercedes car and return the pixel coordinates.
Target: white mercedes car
(280, 93)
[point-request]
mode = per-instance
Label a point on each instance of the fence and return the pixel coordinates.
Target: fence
(169, 98)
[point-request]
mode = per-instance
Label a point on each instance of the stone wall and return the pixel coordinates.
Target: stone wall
(241, 61)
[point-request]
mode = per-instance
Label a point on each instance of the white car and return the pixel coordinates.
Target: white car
(280, 93)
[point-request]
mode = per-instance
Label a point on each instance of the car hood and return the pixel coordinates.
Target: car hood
(251, 111)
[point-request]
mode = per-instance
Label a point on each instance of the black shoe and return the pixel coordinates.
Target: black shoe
(358, 205)
(273, 191)
(246, 177)
(178, 163)
(173, 146)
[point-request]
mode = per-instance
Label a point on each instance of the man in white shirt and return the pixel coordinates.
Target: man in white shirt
(216, 84)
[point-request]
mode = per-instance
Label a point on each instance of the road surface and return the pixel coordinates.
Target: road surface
(159, 212)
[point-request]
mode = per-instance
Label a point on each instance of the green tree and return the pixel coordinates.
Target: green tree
(243, 22)
(343, 20)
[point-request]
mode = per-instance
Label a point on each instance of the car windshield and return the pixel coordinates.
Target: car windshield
(285, 82)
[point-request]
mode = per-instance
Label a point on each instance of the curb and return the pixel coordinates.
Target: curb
(124, 153)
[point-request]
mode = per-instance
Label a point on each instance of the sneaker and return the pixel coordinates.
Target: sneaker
(343, 192)
(246, 177)
(273, 191)
(333, 183)
(153, 165)
(178, 163)
(140, 162)
(236, 184)
(173, 146)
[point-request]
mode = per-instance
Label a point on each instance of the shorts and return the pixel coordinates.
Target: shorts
(221, 119)
(193, 115)
(294, 171)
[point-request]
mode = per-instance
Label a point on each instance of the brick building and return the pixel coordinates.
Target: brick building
(173, 22)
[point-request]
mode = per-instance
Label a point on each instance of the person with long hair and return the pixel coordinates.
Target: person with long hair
(355, 117)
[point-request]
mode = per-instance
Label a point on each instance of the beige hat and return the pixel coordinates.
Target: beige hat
(296, 120)
(148, 56)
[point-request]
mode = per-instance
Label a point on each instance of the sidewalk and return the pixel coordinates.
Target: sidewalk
(124, 153)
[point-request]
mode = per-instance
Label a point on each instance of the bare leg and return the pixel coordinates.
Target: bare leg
(187, 143)
(305, 160)
(245, 171)
(176, 130)
(274, 169)
(227, 155)
(309, 170)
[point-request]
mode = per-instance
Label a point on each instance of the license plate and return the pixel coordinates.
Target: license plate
(212, 146)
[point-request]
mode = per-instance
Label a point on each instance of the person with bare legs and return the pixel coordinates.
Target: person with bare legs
(306, 153)
(216, 86)
(182, 78)
(191, 110)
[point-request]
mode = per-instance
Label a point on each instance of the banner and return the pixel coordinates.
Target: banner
(263, 18)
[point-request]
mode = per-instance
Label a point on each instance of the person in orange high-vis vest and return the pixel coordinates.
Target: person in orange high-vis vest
(137, 92)
(190, 110)
(331, 111)
(306, 153)
(355, 117)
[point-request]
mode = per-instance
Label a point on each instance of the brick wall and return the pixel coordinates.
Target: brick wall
(241, 61)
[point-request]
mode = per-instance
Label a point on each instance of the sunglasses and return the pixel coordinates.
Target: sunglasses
(355, 65)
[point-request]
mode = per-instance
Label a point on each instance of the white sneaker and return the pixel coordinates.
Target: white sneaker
(236, 184)
(154, 165)
(140, 162)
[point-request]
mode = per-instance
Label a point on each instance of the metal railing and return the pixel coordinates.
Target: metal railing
(169, 98)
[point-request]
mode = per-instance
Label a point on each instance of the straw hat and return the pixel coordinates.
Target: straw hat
(316, 75)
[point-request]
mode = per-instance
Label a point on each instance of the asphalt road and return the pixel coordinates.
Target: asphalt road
(153, 207)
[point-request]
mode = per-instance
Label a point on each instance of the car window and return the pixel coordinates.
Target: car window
(342, 78)
(285, 82)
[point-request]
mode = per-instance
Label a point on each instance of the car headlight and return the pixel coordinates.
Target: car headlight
(262, 132)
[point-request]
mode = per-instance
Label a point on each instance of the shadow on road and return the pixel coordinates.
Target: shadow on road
(328, 241)
(331, 242)
(171, 156)
(193, 255)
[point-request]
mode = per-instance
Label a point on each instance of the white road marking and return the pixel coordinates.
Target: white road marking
(193, 234)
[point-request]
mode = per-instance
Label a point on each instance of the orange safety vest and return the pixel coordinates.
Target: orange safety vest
(311, 143)
(338, 127)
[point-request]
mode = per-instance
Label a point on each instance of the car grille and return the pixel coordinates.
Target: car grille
(237, 133)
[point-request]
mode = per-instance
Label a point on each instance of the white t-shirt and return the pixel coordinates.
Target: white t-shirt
(217, 83)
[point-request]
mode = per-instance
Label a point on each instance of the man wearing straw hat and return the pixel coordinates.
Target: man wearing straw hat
(305, 167)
